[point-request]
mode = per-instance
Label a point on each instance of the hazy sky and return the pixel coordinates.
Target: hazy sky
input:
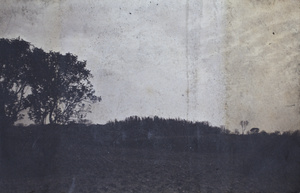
(215, 61)
(263, 64)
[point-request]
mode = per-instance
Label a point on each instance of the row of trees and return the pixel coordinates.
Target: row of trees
(51, 87)
(178, 135)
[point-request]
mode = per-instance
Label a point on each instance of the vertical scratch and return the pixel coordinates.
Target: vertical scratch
(35, 141)
(187, 58)
(72, 187)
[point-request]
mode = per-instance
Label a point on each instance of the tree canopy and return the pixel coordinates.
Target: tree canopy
(54, 88)
(14, 67)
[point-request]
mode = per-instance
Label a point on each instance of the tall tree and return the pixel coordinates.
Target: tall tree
(14, 67)
(55, 88)
(61, 89)
(244, 124)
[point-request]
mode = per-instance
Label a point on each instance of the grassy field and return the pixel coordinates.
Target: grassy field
(78, 159)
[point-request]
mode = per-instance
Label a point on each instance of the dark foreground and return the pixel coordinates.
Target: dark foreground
(77, 161)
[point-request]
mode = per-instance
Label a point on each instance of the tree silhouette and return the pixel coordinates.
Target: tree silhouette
(14, 67)
(254, 130)
(61, 89)
(244, 125)
(54, 87)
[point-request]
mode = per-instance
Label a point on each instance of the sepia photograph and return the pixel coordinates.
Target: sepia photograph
(160, 96)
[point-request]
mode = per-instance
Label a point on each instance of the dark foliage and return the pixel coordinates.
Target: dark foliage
(60, 88)
(15, 65)
(254, 130)
(171, 134)
(51, 85)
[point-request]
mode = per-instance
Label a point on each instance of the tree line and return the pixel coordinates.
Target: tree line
(50, 87)
(177, 135)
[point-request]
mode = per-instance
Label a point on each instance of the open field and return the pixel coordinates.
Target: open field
(66, 160)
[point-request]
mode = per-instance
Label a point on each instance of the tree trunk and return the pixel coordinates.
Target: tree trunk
(50, 117)
(51, 120)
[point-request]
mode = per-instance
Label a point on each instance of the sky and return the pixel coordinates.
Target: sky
(216, 61)
(262, 64)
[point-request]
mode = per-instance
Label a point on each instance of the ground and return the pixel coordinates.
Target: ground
(43, 162)
(98, 169)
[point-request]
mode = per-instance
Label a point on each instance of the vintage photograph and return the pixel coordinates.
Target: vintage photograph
(152, 96)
